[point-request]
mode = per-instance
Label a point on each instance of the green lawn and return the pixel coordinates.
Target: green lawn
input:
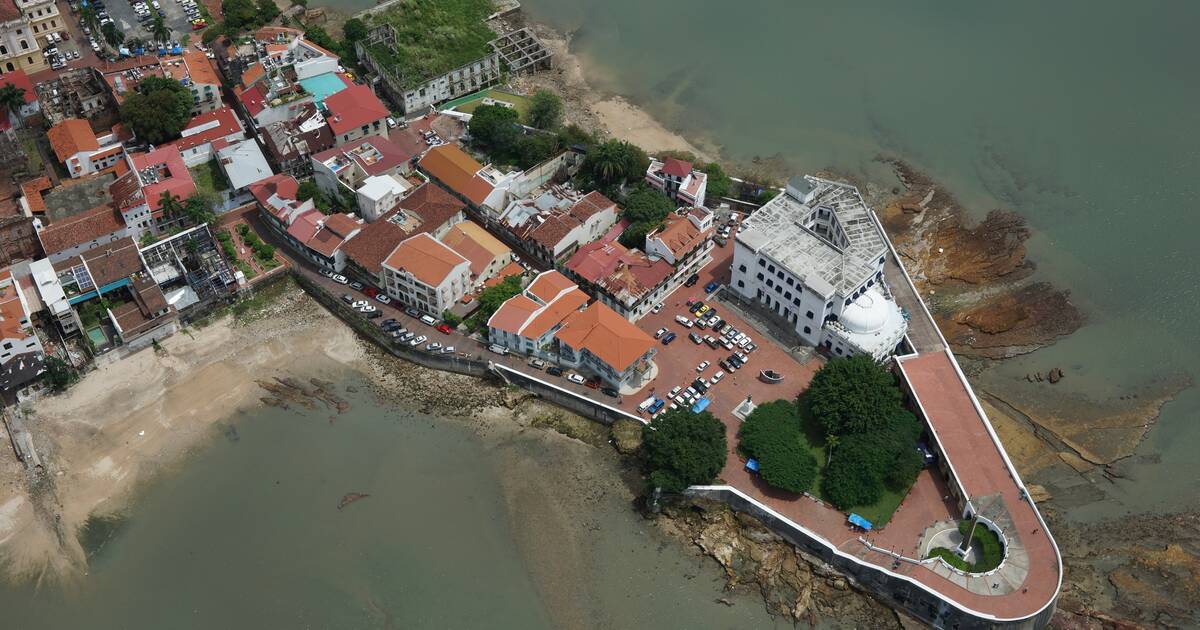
(467, 104)
(880, 512)
(209, 177)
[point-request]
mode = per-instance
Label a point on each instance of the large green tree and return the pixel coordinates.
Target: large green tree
(159, 29)
(353, 30)
(853, 395)
(493, 128)
(682, 449)
(545, 110)
(771, 434)
(615, 162)
(719, 183)
(12, 98)
(239, 14)
(157, 110)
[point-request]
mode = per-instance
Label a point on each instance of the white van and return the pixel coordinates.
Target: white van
(428, 321)
(498, 349)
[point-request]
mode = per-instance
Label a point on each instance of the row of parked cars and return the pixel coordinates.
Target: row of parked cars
(554, 370)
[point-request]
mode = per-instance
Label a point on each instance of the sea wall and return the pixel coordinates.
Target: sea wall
(893, 589)
(460, 363)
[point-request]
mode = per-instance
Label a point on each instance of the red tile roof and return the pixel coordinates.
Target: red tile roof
(72, 136)
(254, 99)
(433, 205)
(676, 168)
(173, 175)
(391, 156)
(354, 107)
(606, 335)
(208, 127)
(18, 78)
(680, 235)
(425, 258)
(626, 275)
(305, 226)
(86, 226)
(544, 304)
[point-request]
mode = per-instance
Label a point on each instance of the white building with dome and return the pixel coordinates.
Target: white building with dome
(814, 257)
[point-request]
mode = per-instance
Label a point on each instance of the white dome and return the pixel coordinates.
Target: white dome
(867, 314)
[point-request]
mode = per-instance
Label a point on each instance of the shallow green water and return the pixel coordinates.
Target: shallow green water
(247, 534)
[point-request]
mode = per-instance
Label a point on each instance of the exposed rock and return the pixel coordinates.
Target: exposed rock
(627, 436)
(793, 584)
(1010, 323)
(1055, 375)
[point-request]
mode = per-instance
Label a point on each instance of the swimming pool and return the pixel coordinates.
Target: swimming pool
(323, 86)
(97, 337)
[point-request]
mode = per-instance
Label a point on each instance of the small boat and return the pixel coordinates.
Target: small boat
(770, 376)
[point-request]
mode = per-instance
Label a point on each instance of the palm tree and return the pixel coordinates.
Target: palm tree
(159, 30)
(170, 204)
(12, 97)
(112, 35)
(831, 441)
(87, 17)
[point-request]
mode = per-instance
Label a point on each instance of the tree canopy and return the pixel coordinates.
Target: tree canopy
(492, 297)
(615, 162)
(645, 208)
(852, 395)
(493, 127)
(771, 434)
(682, 449)
(719, 183)
(157, 110)
(12, 98)
(545, 110)
(354, 29)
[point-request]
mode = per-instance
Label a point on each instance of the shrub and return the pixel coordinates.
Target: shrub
(58, 374)
(545, 110)
(772, 435)
(991, 551)
(683, 449)
(846, 483)
(451, 319)
(243, 229)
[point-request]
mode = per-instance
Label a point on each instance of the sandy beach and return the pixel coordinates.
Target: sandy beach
(128, 421)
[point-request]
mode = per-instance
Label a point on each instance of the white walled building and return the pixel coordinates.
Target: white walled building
(678, 180)
(81, 150)
(423, 273)
(18, 341)
(814, 256)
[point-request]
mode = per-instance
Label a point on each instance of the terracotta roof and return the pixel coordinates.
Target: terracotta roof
(9, 11)
(354, 107)
(32, 191)
(254, 99)
(425, 258)
(548, 284)
(18, 78)
(676, 168)
(374, 243)
(173, 175)
(277, 33)
(134, 322)
(207, 127)
(305, 226)
(511, 269)
(86, 226)
(608, 336)
(626, 275)
(11, 309)
(72, 136)
(342, 224)
(196, 67)
(253, 74)
(147, 294)
(433, 205)
(475, 244)
(555, 227)
(457, 171)
(544, 304)
(680, 235)
(285, 186)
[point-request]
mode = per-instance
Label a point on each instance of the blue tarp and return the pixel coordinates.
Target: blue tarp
(860, 522)
(700, 405)
(752, 465)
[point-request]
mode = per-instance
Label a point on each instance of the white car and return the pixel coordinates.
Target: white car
(660, 333)
(339, 279)
(683, 321)
(367, 308)
(447, 350)
(391, 122)
(675, 390)
(575, 378)
(382, 298)
(718, 376)
(357, 304)
(657, 308)
(703, 366)
(745, 341)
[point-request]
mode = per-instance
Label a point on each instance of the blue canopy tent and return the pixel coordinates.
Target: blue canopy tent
(859, 521)
(700, 405)
(752, 465)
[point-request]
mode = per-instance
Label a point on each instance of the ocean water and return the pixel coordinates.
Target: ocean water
(1080, 115)
(248, 534)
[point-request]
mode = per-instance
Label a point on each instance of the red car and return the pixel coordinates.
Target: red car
(444, 328)
(594, 383)
(370, 292)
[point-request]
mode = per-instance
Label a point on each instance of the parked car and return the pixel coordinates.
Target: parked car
(656, 407)
(683, 321)
(711, 286)
(389, 324)
(657, 308)
(383, 299)
(430, 347)
(692, 280)
(370, 292)
(498, 349)
(610, 391)
(537, 364)
(575, 378)
(718, 376)
(357, 304)
(668, 339)
(340, 279)
(712, 342)
(357, 286)
(703, 366)
(428, 321)
(447, 350)
(373, 314)
(593, 383)
(445, 329)
(696, 339)
(660, 333)
(554, 371)
(412, 312)
(347, 298)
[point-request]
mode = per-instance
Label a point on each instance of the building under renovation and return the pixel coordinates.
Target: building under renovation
(521, 51)
(190, 269)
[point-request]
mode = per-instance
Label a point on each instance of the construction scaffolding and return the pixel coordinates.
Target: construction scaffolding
(192, 258)
(521, 51)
